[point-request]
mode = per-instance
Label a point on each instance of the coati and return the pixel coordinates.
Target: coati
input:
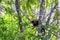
(35, 24)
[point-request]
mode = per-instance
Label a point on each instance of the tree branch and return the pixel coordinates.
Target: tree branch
(52, 9)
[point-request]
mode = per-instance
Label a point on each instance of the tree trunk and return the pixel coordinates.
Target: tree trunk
(17, 4)
(41, 13)
(41, 16)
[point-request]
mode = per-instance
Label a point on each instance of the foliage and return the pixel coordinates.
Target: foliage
(9, 21)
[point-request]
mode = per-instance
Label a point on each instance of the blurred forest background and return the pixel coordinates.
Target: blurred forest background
(29, 19)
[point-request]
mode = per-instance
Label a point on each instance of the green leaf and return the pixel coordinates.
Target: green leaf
(9, 10)
(0, 1)
(54, 38)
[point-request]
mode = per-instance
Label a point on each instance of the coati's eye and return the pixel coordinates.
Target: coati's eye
(34, 22)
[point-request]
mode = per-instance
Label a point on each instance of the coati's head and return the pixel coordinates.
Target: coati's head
(34, 22)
